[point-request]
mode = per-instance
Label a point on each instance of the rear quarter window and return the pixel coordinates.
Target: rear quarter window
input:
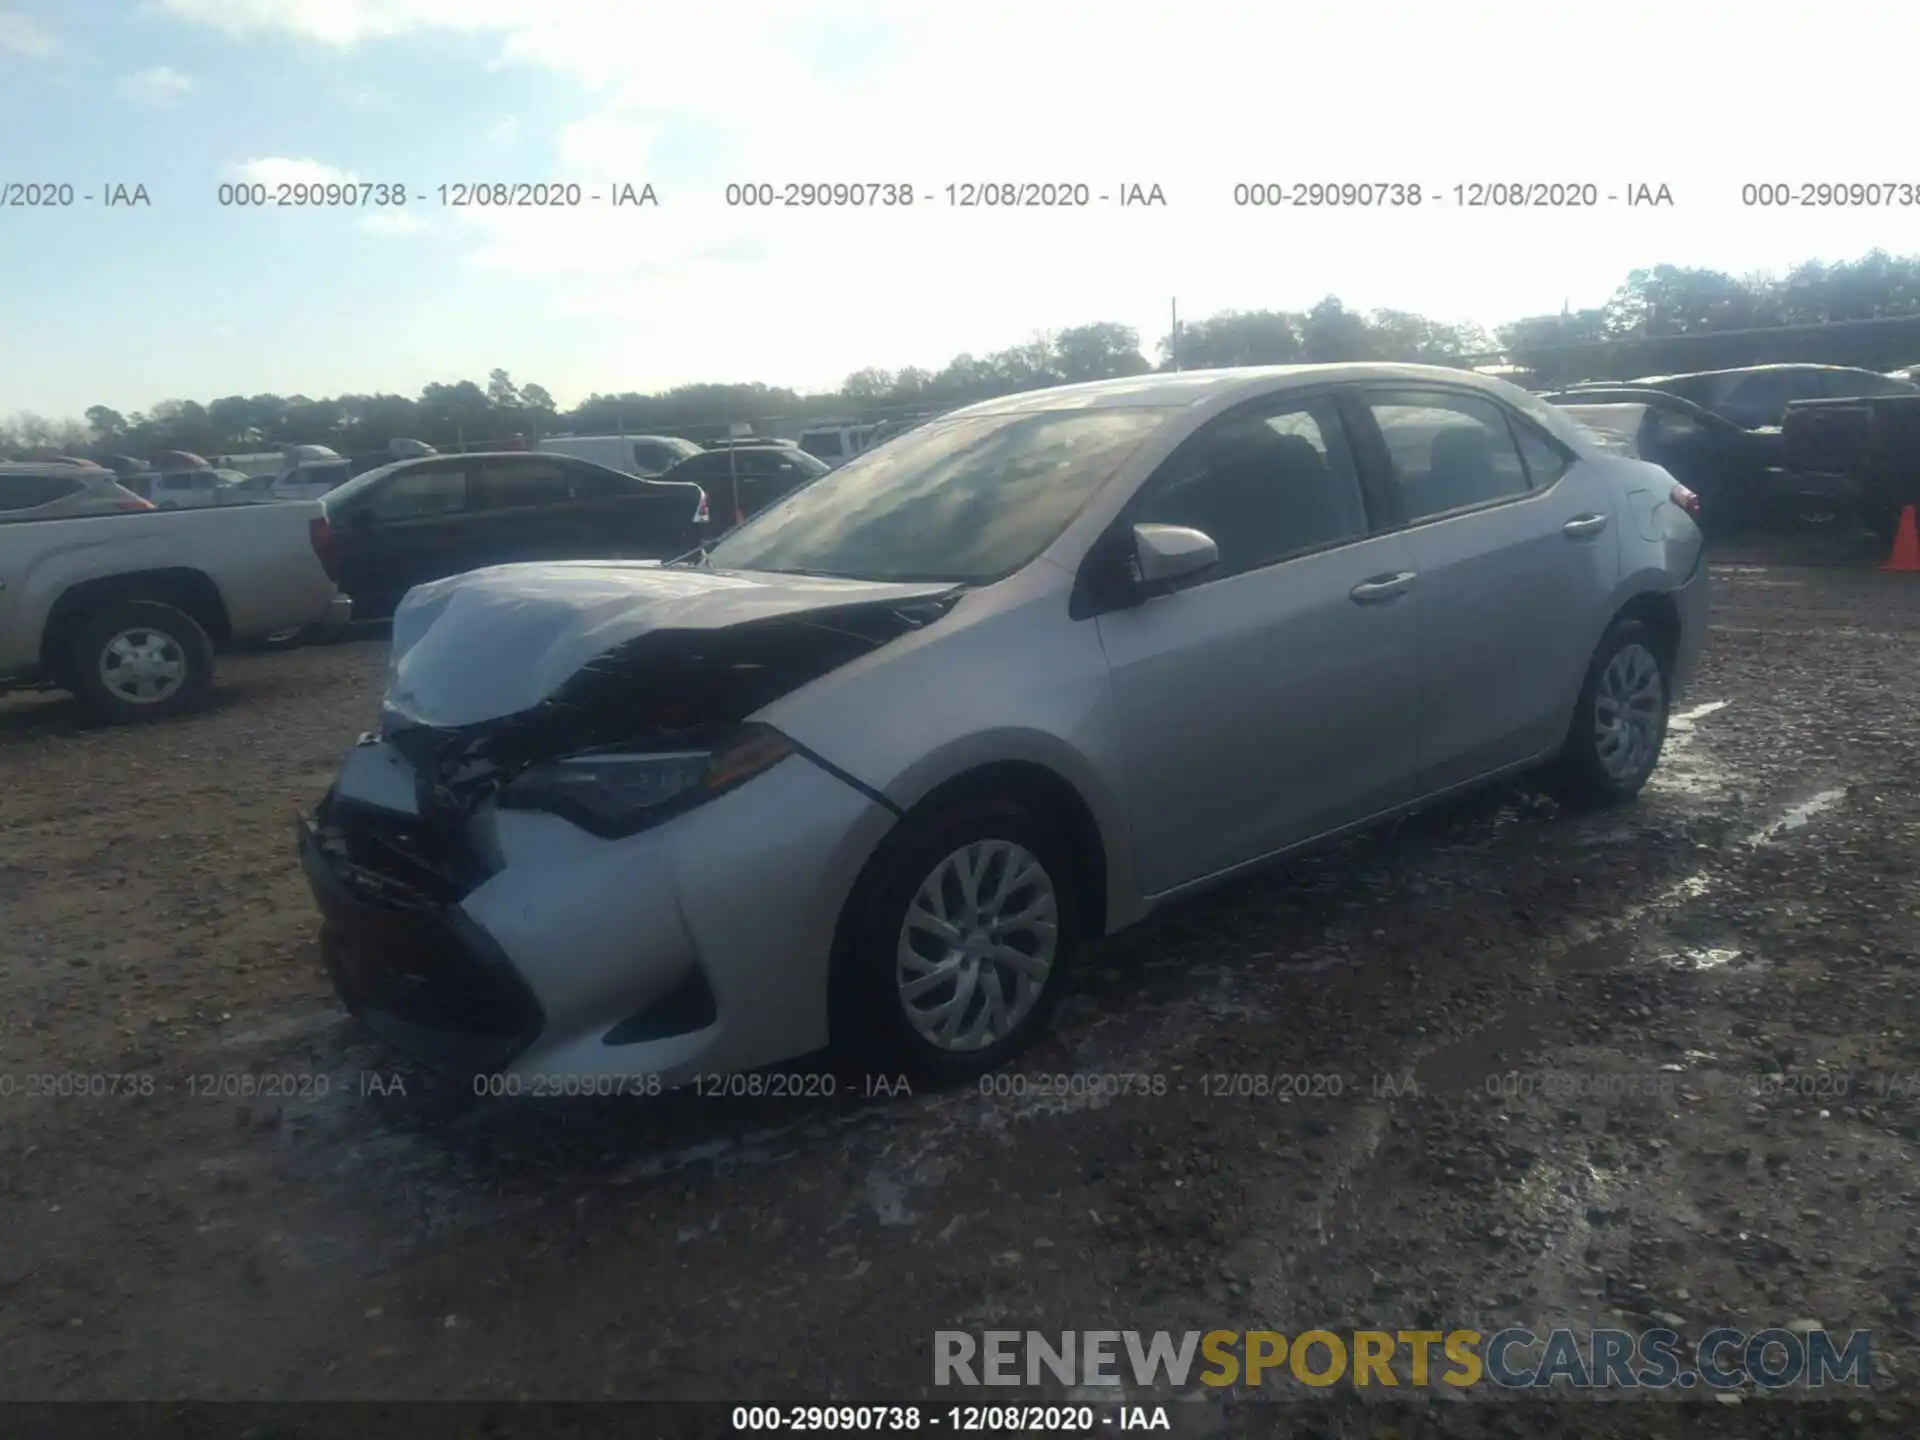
(30, 492)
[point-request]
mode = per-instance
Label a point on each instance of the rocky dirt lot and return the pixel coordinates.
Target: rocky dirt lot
(1504, 1065)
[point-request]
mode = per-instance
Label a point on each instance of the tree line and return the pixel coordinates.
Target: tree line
(1665, 318)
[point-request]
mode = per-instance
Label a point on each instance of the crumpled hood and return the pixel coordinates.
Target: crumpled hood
(499, 642)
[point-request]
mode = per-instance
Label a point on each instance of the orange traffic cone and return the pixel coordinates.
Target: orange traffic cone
(1906, 546)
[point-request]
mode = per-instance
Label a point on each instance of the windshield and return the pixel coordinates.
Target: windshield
(965, 500)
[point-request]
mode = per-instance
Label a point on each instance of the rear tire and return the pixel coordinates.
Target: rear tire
(138, 661)
(1620, 720)
(968, 981)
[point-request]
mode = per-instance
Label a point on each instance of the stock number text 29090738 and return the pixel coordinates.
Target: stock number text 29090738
(1410, 194)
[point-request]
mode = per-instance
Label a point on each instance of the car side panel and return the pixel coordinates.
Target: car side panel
(1007, 676)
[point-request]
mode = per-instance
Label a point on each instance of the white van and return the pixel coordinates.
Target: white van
(310, 480)
(837, 444)
(643, 455)
(195, 489)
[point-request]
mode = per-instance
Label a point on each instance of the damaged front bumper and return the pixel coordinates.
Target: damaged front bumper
(404, 957)
(525, 946)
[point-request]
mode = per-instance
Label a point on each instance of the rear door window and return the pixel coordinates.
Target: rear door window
(30, 492)
(1761, 398)
(414, 494)
(1448, 452)
(521, 485)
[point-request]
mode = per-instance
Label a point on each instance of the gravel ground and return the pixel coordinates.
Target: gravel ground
(1661, 1063)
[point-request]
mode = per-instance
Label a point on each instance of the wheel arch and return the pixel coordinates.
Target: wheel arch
(190, 591)
(1658, 612)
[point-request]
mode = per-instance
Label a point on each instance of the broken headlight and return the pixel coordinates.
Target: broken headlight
(612, 793)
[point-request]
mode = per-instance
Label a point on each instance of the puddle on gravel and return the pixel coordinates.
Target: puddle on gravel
(1686, 769)
(1598, 945)
(1704, 958)
(1797, 817)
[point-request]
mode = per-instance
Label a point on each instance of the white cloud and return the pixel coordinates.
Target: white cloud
(1195, 98)
(279, 170)
(160, 86)
(347, 22)
(23, 35)
(392, 222)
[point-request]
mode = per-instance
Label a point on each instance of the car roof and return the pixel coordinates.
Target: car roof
(54, 467)
(1745, 370)
(1183, 388)
(671, 439)
(1636, 395)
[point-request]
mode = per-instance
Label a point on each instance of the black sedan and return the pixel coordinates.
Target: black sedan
(404, 524)
(761, 474)
(1735, 472)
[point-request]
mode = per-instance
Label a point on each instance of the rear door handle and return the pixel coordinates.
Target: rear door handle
(1582, 526)
(1381, 588)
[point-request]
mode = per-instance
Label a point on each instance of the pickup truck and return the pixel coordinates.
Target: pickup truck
(1870, 446)
(125, 611)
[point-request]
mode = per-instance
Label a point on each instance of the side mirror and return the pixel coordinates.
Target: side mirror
(1164, 554)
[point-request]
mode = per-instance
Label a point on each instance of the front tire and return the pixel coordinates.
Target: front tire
(1619, 722)
(960, 942)
(139, 661)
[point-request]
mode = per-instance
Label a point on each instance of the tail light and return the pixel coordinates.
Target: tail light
(321, 532)
(1687, 501)
(133, 502)
(701, 514)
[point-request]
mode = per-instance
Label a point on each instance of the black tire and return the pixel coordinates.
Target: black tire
(179, 638)
(1583, 775)
(870, 1020)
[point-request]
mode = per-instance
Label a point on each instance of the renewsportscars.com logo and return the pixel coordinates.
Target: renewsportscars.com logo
(1512, 1359)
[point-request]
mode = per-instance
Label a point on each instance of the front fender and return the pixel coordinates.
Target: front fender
(978, 751)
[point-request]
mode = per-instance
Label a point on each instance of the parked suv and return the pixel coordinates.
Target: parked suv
(55, 490)
(874, 768)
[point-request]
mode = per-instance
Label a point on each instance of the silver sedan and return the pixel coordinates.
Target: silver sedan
(877, 767)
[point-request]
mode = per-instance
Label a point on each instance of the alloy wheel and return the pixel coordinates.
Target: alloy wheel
(978, 945)
(143, 666)
(1627, 712)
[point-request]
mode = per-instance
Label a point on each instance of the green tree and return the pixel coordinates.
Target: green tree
(106, 425)
(1101, 351)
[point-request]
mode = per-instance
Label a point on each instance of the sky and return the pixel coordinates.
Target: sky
(187, 297)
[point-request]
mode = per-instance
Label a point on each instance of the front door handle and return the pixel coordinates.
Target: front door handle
(1583, 525)
(1381, 588)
